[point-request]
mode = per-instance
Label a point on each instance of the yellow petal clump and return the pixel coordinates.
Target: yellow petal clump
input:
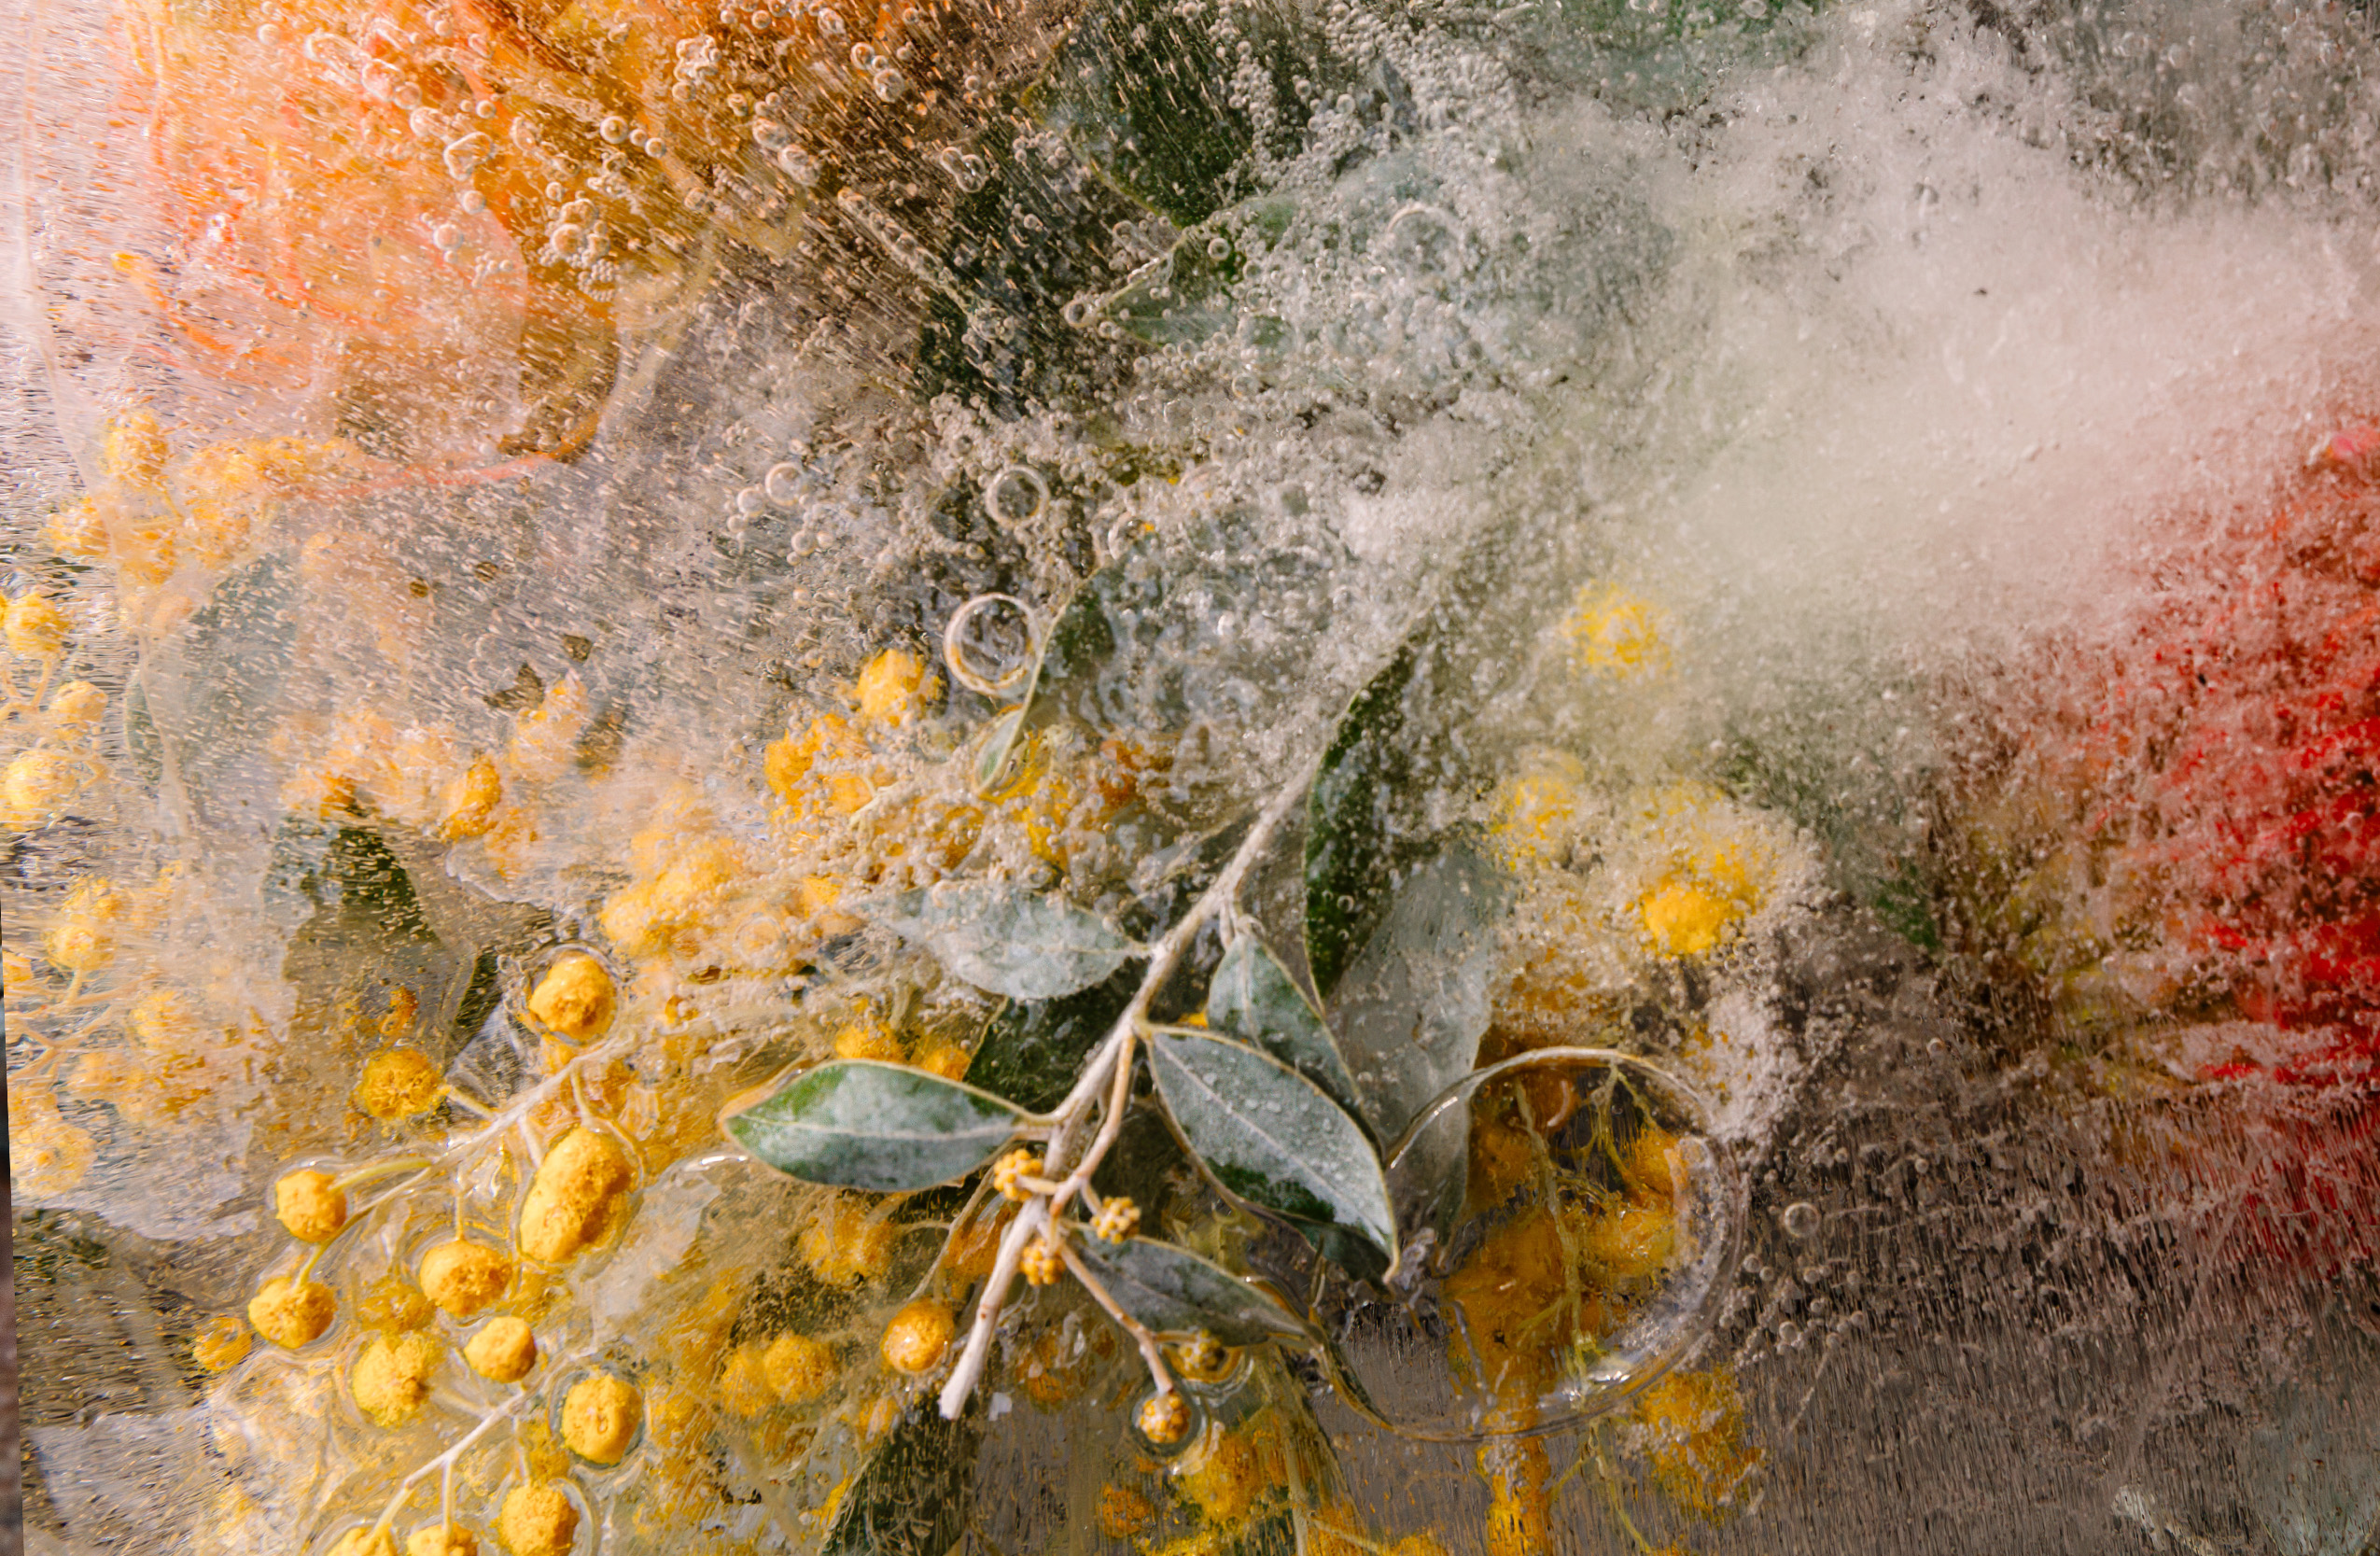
(578, 1197)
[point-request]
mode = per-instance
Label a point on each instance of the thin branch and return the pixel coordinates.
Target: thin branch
(1151, 1351)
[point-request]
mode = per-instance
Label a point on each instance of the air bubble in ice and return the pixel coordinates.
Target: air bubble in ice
(1016, 495)
(466, 152)
(770, 136)
(751, 500)
(1218, 248)
(798, 164)
(614, 129)
(1800, 1219)
(889, 85)
(782, 484)
(988, 645)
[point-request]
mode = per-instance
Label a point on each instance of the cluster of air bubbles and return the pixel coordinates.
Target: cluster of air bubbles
(698, 63)
(824, 522)
(966, 170)
(1016, 495)
(799, 164)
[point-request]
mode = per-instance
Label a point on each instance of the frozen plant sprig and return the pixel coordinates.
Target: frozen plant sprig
(1105, 1084)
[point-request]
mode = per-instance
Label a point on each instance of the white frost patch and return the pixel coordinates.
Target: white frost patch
(1749, 1072)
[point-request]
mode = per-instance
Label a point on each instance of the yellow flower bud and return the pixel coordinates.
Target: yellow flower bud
(843, 1243)
(1040, 1263)
(468, 808)
(36, 784)
(397, 1083)
(1164, 1417)
(573, 998)
(367, 1540)
(601, 1416)
(947, 1060)
(292, 1313)
(47, 1155)
(134, 450)
(166, 1022)
(462, 1277)
(442, 1539)
(918, 1335)
(1615, 634)
(1011, 1171)
(390, 1380)
(504, 1350)
(743, 1383)
(34, 627)
(578, 1197)
(78, 705)
(799, 1368)
(891, 689)
(867, 1038)
(311, 1205)
(538, 1520)
(1123, 1513)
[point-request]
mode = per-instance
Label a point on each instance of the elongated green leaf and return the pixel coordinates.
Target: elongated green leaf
(1001, 936)
(1271, 1136)
(1174, 1291)
(1032, 1051)
(1252, 996)
(860, 1124)
(912, 1497)
(1352, 831)
(1413, 1006)
(991, 761)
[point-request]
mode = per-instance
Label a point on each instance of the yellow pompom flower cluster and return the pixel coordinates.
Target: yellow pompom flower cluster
(152, 514)
(1615, 634)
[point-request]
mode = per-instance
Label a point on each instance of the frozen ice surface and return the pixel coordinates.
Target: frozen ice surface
(1908, 357)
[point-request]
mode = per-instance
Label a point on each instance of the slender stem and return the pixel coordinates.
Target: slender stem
(380, 1169)
(445, 1461)
(519, 1109)
(1151, 1351)
(979, 1337)
(1109, 1127)
(1107, 1077)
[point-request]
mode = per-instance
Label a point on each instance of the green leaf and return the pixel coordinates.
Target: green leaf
(992, 762)
(1352, 833)
(1270, 1136)
(1412, 1006)
(1252, 996)
(1032, 1049)
(1175, 1292)
(886, 1127)
(912, 1497)
(1000, 936)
